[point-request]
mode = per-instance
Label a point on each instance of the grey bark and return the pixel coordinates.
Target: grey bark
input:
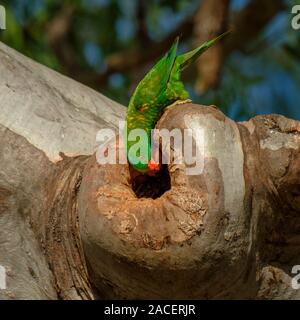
(43, 116)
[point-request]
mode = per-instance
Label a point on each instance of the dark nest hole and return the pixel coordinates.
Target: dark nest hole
(145, 186)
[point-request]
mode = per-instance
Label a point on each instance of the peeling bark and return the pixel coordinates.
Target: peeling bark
(74, 229)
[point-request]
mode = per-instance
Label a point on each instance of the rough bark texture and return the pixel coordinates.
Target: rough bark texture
(74, 229)
(44, 117)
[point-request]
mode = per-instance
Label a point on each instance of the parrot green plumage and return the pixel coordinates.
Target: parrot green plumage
(160, 88)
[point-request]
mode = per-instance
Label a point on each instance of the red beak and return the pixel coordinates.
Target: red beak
(153, 166)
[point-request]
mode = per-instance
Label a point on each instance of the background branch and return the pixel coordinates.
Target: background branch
(210, 21)
(212, 14)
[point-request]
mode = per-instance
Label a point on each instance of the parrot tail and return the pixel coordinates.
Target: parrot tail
(184, 60)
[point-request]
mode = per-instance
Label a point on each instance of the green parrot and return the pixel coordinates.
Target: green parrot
(160, 88)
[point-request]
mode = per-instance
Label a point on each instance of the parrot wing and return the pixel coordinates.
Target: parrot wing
(176, 88)
(155, 81)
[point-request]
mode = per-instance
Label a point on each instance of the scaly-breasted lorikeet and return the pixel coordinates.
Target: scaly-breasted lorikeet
(160, 88)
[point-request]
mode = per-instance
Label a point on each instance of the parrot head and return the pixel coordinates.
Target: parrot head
(150, 168)
(144, 163)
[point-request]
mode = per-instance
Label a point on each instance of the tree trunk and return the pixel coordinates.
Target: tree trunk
(74, 229)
